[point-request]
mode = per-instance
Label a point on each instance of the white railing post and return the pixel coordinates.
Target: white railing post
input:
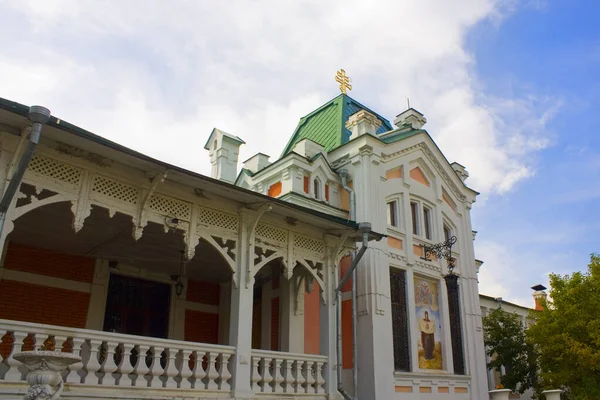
(256, 378)
(170, 369)
(199, 371)
(126, 366)
(224, 374)
(289, 377)
(73, 375)
(109, 366)
(299, 374)
(212, 372)
(141, 368)
(93, 365)
(277, 377)
(156, 369)
(186, 371)
(14, 374)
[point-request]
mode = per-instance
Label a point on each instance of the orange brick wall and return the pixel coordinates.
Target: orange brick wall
(49, 263)
(203, 292)
(41, 304)
(201, 327)
(312, 314)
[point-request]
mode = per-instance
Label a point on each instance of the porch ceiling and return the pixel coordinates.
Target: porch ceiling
(50, 227)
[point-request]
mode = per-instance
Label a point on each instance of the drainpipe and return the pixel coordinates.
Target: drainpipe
(352, 271)
(39, 116)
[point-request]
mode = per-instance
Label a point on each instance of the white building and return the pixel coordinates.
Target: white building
(241, 270)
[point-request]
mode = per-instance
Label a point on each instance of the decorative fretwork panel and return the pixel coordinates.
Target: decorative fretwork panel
(213, 218)
(116, 190)
(400, 331)
(171, 207)
(55, 170)
(271, 233)
(309, 244)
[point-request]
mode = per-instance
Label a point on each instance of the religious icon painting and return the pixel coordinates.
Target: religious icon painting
(429, 323)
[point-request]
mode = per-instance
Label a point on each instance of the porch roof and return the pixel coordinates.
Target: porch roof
(13, 117)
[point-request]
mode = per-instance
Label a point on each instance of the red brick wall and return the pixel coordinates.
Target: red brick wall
(45, 305)
(201, 327)
(203, 292)
(49, 263)
(347, 334)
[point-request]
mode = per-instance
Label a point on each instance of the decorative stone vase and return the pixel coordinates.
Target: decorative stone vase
(44, 372)
(499, 394)
(552, 394)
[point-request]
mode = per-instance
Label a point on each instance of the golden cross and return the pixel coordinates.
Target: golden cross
(343, 80)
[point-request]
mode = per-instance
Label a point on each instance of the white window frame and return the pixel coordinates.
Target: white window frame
(419, 219)
(393, 205)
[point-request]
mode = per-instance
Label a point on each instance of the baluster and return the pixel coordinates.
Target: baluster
(73, 376)
(212, 372)
(224, 373)
(13, 374)
(199, 372)
(186, 371)
(61, 344)
(277, 377)
(127, 367)
(299, 373)
(320, 380)
(266, 375)
(110, 366)
(171, 370)
(156, 370)
(288, 386)
(310, 379)
(94, 364)
(141, 367)
(256, 378)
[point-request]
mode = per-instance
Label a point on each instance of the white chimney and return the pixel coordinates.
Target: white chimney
(410, 118)
(256, 162)
(460, 171)
(362, 122)
(223, 149)
(308, 148)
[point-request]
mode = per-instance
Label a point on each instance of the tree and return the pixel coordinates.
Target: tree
(566, 334)
(506, 344)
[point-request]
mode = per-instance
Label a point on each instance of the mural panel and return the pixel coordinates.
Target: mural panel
(430, 330)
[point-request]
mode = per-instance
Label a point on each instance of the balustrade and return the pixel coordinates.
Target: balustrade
(277, 372)
(111, 359)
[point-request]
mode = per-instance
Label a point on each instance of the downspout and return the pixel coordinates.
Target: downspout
(364, 228)
(39, 116)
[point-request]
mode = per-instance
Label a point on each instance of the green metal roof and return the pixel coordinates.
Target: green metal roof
(327, 124)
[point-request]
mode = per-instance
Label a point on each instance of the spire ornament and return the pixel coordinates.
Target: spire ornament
(343, 80)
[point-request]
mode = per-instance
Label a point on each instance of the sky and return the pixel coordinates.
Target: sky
(510, 89)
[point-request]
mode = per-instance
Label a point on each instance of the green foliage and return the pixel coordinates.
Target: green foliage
(566, 334)
(507, 346)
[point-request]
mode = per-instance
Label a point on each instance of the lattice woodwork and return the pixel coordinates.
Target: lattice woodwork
(55, 170)
(310, 244)
(211, 217)
(171, 207)
(269, 232)
(116, 190)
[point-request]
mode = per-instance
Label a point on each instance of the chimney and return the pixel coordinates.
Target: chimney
(460, 171)
(362, 122)
(257, 162)
(410, 118)
(308, 148)
(539, 296)
(223, 149)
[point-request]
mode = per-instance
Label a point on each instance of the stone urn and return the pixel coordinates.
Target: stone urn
(44, 372)
(552, 394)
(499, 394)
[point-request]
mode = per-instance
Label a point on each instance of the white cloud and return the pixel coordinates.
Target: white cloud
(158, 76)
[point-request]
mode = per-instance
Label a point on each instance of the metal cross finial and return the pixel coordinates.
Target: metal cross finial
(343, 80)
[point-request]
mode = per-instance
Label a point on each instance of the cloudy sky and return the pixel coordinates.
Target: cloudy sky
(510, 90)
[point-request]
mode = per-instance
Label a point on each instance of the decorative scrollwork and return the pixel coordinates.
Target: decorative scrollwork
(442, 251)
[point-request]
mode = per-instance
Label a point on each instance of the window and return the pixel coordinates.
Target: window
(427, 221)
(316, 188)
(414, 211)
(399, 320)
(393, 213)
(447, 232)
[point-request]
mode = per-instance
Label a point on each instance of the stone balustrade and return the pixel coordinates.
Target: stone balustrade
(117, 360)
(277, 372)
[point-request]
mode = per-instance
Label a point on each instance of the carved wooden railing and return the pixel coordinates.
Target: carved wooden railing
(278, 372)
(110, 359)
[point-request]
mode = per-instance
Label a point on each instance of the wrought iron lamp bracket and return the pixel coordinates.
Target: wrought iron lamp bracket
(441, 250)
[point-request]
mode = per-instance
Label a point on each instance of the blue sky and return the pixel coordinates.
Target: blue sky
(509, 89)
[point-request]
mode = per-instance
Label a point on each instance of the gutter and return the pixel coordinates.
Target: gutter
(364, 227)
(39, 116)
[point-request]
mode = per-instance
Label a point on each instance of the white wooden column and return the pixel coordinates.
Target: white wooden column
(327, 316)
(240, 323)
(292, 319)
(98, 293)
